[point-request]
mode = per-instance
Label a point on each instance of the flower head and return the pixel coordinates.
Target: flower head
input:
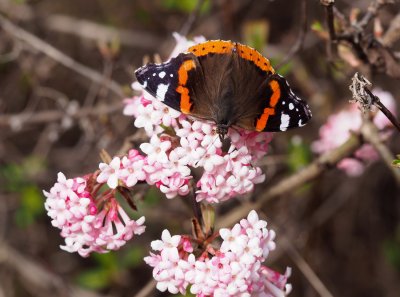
(234, 270)
(86, 225)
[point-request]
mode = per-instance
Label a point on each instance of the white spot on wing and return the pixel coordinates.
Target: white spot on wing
(285, 119)
(161, 91)
(171, 75)
(162, 74)
(144, 85)
(291, 106)
(301, 123)
(283, 102)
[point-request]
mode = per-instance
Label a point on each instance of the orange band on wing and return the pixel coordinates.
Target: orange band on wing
(183, 71)
(183, 76)
(262, 121)
(213, 47)
(185, 99)
(254, 56)
(276, 95)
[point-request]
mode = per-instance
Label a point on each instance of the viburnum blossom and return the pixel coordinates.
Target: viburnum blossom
(236, 269)
(228, 171)
(338, 127)
(87, 222)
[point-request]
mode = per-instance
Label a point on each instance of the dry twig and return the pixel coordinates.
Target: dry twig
(300, 39)
(58, 56)
(294, 181)
(41, 117)
(38, 280)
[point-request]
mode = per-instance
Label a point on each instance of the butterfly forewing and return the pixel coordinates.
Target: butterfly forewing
(162, 80)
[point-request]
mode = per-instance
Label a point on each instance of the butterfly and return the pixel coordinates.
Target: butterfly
(228, 83)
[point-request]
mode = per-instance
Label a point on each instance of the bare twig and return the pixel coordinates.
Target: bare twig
(331, 47)
(293, 182)
(192, 18)
(12, 55)
(147, 290)
(373, 9)
(58, 56)
(305, 268)
(392, 33)
(302, 34)
(362, 95)
(18, 120)
(371, 134)
(38, 279)
(94, 31)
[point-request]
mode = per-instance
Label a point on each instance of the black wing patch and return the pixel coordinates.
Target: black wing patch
(162, 80)
(289, 111)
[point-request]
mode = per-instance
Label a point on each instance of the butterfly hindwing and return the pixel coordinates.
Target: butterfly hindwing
(282, 109)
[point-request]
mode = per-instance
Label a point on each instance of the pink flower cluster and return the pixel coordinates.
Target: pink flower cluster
(337, 130)
(88, 223)
(234, 270)
(157, 168)
(179, 143)
(196, 144)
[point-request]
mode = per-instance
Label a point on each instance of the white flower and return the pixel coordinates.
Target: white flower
(156, 150)
(167, 245)
(110, 172)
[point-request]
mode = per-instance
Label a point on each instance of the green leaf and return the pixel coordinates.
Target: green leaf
(152, 196)
(31, 206)
(299, 154)
(108, 260)
(396, 162)
(391, 250)
(13, 176)
(286, 68)
(255, 34)
(133, 257)
(317, 26)
(98, 278)
(186, 6)
(23, 218)
(32, 199)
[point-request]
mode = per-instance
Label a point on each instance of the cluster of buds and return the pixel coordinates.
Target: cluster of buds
(234, 269)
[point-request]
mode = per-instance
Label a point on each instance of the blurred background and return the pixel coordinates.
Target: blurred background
(65, 68)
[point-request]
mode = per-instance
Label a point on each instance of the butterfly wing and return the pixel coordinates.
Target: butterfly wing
(222, 80)
(167, 81)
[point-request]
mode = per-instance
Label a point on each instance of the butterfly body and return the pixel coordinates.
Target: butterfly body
(229, 84)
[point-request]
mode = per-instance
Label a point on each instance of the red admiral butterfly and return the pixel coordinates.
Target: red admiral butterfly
(228, 83)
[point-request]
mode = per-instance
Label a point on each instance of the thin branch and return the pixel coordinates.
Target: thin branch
(94, 31)
(392, 34)
(302, 34)
(289, 184)
(147, 290)
(187, 26)
(38, 279)
(373, 9)
(305, 268)
(58, 56)
(362, 95)
(21, 119)
(330, 21)
(371, 135)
